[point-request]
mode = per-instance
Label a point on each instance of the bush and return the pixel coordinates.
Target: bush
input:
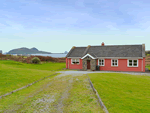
(35, 60)
(148, 54)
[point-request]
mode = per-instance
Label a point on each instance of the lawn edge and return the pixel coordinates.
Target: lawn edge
(25, 86)
(99, 99)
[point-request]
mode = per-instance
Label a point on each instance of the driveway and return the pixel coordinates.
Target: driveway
(86, 72)
(58, 94)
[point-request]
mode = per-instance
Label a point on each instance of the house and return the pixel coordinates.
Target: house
(107, 58)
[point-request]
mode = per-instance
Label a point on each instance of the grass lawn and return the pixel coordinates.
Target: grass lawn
(123, 93)
(68, 94)
(81, 97)
(44, 66)
(14, 74)
(20, 99)
(148, 67)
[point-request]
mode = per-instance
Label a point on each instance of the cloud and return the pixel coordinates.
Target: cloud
(80, 14)
(2, 25)
(80, 3)
(111, 27)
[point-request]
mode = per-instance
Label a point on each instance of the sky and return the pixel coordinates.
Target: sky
(57, 25)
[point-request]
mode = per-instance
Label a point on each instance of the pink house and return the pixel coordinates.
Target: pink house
(107, 58)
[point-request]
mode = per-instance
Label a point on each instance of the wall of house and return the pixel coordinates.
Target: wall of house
(73, 66)
(144, 64)
(122, 66)
(66, 63)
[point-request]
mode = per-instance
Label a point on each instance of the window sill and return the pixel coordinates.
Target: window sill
(132, 66)
(75, 64)
(114, 66)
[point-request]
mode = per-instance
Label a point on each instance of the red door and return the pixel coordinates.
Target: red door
(88, 64)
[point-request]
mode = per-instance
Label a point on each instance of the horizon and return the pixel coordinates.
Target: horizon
(75, 46)
(56, 26)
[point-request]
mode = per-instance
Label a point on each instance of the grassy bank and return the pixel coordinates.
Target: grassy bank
(14, 74)
(123, 93)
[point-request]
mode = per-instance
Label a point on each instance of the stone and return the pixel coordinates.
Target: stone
(92, 63)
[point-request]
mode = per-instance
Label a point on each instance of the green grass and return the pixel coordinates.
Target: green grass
(21, 99)
(123, 93)
(148, 67)
(80, 97)
(14, 74)
(44, 66)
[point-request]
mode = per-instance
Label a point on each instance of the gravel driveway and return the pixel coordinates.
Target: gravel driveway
(86, 72)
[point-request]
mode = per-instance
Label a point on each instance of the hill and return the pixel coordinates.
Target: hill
(25, 50)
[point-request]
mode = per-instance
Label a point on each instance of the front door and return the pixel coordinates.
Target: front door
(88, 64)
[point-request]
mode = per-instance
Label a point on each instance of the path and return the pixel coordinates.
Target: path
(86, 72)
(63, 93)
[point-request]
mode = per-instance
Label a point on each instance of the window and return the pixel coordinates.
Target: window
(132, 63)
(114, 62)
(101, 62)
(75, 61)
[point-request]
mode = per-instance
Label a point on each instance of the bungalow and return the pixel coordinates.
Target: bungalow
(107, 58)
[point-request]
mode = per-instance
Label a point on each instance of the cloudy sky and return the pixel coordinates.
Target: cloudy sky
(57, 25)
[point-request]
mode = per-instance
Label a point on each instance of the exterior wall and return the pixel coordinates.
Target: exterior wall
(73, 66)
(122, 65)
(66, 63)
(92, 63)
(144, 63)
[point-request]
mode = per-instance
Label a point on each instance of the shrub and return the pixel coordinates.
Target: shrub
(35, 60)
(8, 55)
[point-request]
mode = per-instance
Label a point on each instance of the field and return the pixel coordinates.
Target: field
(15, 74)
(70, 93)
(122, 93)
(54, 94)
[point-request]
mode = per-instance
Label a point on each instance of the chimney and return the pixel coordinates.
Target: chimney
(73, 47)
(102, 44)
(89, 46)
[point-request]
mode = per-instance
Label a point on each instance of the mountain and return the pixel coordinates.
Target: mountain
(34, 49)
(25, 50)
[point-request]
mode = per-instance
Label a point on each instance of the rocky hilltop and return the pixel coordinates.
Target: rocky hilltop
(25, 50)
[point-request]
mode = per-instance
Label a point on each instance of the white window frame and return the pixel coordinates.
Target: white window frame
(99, 62)
(132, 62)
(112, 62)
(75, 60)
